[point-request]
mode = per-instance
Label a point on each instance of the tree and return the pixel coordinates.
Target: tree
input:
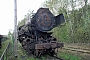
(77, 16)
(27, 18)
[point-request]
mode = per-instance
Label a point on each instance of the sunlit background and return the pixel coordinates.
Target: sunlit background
(7, 12)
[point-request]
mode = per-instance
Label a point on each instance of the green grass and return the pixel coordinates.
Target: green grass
(4, 45)
(69, 56)
(9, 52)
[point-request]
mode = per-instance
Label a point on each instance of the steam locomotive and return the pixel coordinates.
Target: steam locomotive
(35, 36)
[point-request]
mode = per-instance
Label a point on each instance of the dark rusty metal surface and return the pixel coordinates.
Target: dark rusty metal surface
(60, 45)
(0, 40)
(45, 20)
(48, 45)
(34, 35)
(59, 19)
(1, 36)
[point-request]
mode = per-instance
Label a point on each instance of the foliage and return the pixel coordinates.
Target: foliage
(22, 22)
(77, 20)
(4, 45)
(27, 18)
(9, 33)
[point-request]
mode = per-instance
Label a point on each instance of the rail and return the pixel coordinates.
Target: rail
(87, 51)
(4, 55)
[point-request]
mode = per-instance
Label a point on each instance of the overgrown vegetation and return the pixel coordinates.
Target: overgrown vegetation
(69, 56)
(4, 45)
(77, 20)
(77, 15)
(10, 52)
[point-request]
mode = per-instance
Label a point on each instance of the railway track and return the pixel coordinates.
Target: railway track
(87, 51)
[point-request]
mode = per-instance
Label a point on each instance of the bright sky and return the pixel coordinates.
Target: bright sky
(7, 12)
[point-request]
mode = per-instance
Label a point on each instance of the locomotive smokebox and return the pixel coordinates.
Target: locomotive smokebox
(45, 20)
